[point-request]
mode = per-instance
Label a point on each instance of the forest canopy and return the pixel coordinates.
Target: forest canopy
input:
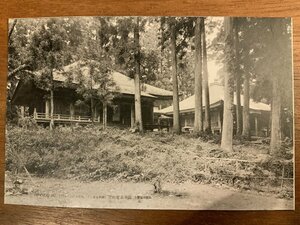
(250, 56)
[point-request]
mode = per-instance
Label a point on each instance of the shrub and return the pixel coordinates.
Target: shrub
(27, 123)
(92, 153)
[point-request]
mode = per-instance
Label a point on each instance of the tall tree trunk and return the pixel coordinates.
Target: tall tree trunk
(104, 116)
(51, 110)
(162, 22)
(176, 118)
(239, 125)
(132, 122)
(198, 125)
(275, 117)
(51, 125)
(278, 28)
(92, 110)
(207, 118)
(227, 129)
(246, 117)
(137, 85)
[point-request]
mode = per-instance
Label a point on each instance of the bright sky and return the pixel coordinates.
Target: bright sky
(150, 41)
(212, 68)
(212, 65)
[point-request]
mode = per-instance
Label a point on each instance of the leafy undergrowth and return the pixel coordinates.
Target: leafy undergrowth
(91, 153)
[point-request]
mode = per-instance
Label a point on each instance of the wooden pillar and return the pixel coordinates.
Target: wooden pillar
(270, 124)
(47, 108)
(22, 111)
(132, 116)
(219, 121)
(96, 114)
(256, 125)
(104, 114)
(122, 116)
(100, 114)
(151, 114)
(34, 113)
(72, 110)
(30, 109)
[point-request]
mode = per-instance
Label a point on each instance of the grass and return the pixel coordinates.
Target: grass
(91, 153)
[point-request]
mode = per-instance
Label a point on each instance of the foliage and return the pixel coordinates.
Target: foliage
(29, 49)
(94, 81)
(45, 51)
(47, 44)
(258, 57)
(91, 153)
(73, 38)
(27, 123)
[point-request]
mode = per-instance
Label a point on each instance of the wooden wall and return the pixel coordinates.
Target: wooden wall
(11, 214)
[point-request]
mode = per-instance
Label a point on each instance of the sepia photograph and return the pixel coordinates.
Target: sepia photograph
(136, 112)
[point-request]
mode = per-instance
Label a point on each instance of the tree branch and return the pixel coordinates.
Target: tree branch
(30, 72)
(12, 73)
(12, 29)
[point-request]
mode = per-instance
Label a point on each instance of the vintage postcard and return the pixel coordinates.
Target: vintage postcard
(191, 113)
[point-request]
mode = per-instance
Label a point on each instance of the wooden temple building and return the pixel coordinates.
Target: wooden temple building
(35, 102)
(259, 112)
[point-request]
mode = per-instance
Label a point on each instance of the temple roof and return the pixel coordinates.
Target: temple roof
(124, 83)
(216, 96)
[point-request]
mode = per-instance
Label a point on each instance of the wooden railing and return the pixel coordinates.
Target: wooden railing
(64, 117)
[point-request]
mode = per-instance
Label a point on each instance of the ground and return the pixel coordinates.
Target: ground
(96, 194)
(93, 167)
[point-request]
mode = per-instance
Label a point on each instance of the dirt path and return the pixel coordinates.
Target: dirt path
(72, 193)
